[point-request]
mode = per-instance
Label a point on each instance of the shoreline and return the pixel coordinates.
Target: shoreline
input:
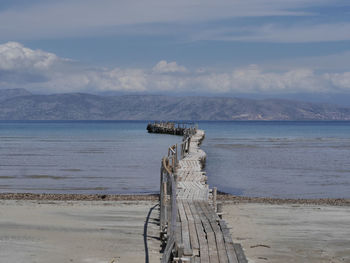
(155, 197)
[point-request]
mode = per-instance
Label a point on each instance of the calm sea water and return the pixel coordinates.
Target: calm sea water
(275, 159)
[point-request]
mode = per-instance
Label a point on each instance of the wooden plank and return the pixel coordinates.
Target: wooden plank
(213, 253)
(168, 251)
(231, 253)
(220, 244)
(210, 213)
(240, 254)
(192, 228)
(184, 230)
(178, 234)
(212, 249)
(203, 244)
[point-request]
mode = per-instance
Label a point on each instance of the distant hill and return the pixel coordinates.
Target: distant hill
(22, 105)
(11, 93)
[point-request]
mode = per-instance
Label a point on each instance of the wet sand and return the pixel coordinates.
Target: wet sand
(290, 232)
(77, 231)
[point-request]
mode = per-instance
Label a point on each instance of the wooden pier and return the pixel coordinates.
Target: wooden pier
(191, 224)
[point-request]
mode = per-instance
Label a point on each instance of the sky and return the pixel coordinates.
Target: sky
(253, 48)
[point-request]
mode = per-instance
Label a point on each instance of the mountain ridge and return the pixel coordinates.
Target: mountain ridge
(23, 105)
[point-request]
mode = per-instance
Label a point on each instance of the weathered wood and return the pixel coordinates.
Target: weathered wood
(185, 231)
(212, 249)
(170, 128)
(219, 210)
(231, 254)
(199, 234)
(203, 244)
(168, 250)
(220, 244)
(215, 190)
(240, 254)
(192, 228)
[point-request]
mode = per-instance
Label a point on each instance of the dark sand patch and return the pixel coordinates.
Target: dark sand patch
(78, 197)
(154, 197)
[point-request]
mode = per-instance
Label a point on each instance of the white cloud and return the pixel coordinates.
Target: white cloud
(172, 67)
(253, 80)
(340, 81)
(15, 56)
(53, 74)
(119, 79)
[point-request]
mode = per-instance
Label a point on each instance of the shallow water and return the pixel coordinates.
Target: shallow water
(279, 159)
(80, 157)
(275, 159)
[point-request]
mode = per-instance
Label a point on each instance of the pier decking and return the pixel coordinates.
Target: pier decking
(191, 224)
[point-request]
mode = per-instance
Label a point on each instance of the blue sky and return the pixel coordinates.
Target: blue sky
(253, 47)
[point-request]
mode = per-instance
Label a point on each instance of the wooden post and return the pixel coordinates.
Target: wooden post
(161, 195)
(215, 190)
(173, 163)
(182, 150)
(165, 192)
(180, 251)
(176, 160)
(162, 204)
(164, 201)
(219, 210)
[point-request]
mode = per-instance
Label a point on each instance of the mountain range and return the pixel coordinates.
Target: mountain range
(20, 104)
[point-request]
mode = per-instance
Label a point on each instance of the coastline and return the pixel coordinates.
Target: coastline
(224, 197)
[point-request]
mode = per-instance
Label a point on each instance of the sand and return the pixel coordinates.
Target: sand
(112, 231)
(290, 232)
(77, 231)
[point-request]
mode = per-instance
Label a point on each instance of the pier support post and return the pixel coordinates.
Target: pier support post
(215, 191)
(219, 210)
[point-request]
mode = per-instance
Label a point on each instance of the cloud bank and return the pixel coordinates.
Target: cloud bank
(40, 71)
(14, 56)
(164, 67)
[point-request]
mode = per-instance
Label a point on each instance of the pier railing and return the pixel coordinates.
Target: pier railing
(168, 208)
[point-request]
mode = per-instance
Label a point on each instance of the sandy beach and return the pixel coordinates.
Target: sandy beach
(310, 233)
(77, 231)
(102, 231)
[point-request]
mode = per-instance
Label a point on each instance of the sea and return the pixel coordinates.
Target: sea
(280, 159)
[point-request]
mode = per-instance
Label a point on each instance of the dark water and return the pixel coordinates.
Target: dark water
(276, 159)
